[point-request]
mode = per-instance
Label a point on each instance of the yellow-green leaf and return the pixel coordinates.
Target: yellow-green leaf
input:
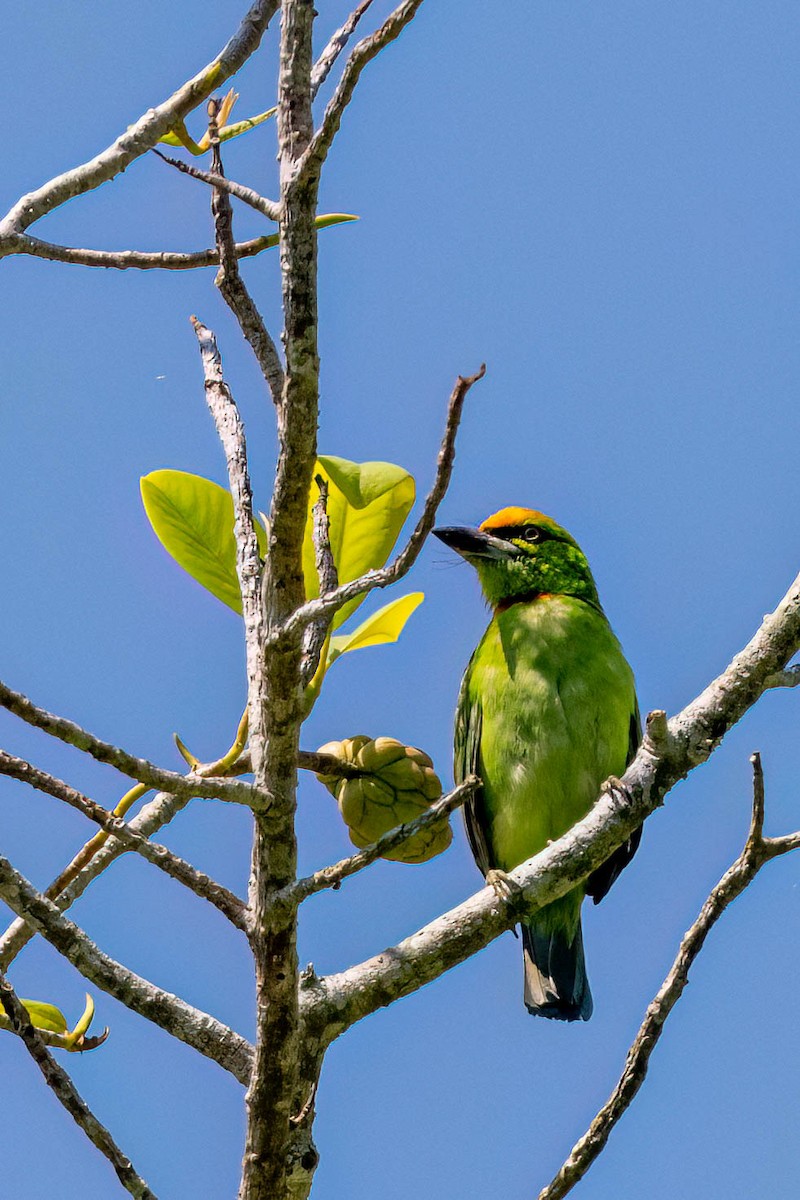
(367, 506)
(43, 1016)
(193, 519)
(382, 627)
(321, 222)
(180, 136)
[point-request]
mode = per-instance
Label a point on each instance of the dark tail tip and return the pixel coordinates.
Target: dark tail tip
(556, 985)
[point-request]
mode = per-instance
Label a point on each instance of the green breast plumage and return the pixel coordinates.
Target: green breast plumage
(545, 715)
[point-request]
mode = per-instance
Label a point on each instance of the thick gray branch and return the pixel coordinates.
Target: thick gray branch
(197, 1029)
(277, 1085)
(67, 1094)
(669, 751)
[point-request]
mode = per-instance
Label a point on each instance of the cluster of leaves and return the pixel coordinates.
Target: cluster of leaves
(367, 505)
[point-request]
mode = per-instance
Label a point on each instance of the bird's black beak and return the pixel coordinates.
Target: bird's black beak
(473, 543)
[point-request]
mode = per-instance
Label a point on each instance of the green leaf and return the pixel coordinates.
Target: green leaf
(43, 1016)
(367, 506)
(321, 222)
(179, 136)
(193, 519)
(382, 627)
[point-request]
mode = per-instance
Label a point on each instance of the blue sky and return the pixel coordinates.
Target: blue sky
(600, 201)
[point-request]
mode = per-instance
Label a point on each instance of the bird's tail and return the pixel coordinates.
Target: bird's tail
(555, 973)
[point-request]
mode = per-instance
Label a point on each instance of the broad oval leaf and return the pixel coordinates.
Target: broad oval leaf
(193, 519)
(43, 1016)
(367, 506)
(381, 628)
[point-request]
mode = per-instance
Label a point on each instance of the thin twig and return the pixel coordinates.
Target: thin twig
(230, 431)
(331, 877)
(67, 1094)
(249, 196)
(335, 47)
(757, 851)
(322, 606)
(328, 577)
(229, 281)
(190, 1025)
(307, 760)
(361, 54)
(785, 679)
(136, 768)
(196, 881)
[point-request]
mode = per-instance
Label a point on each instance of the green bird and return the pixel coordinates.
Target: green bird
(546, 713)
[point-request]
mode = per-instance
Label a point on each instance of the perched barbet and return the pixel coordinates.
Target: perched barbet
(397, 783)
(546, 713)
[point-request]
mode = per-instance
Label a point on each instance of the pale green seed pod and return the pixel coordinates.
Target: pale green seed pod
(398, 784)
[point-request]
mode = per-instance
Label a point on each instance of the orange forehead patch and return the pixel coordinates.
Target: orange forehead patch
(508, 518)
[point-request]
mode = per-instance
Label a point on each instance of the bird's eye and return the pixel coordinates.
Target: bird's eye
(532, 533)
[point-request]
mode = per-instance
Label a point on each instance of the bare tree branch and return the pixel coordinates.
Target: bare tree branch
(331, 877)
(229, 281)
(136, 768)
(362, 54)
(323, 606)
(327, 764)
(126, 260)
(174, 866)
(143, 134)
(67, 1094)
(197, 1029)
(332, 1004)
(153, 816)
(757, 851)
(328, 576)
(335, 46)
(787, 679)
(249, 196)
(278, 1089)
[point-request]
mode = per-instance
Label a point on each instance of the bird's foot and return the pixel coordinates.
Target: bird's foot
(616, 789)
(504, 887)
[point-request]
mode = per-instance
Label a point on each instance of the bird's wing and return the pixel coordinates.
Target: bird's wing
(466, 761)
(600, 881)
